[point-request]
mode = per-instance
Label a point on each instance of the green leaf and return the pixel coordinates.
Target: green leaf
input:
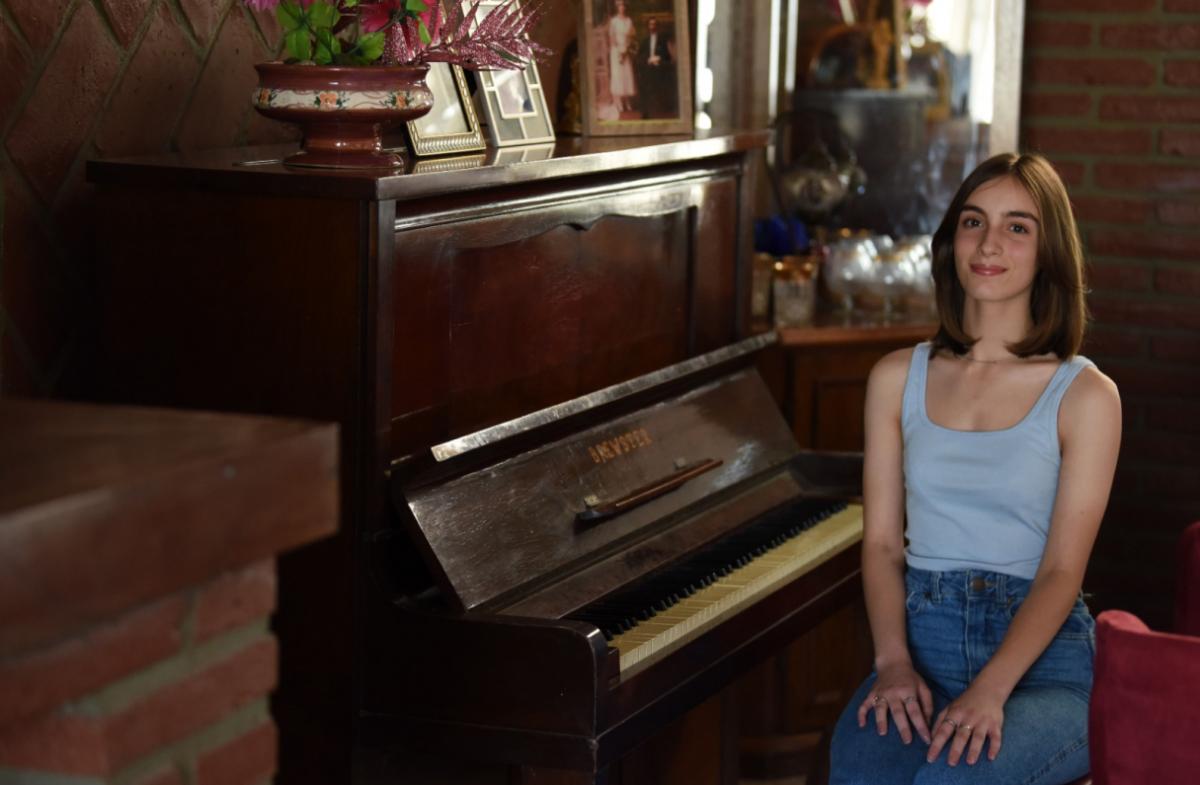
(289, 15)
(423, 32)
(322, 15)
(327, 47)
(370, 46)
(299, 43)
(416, 6)
(349, 3)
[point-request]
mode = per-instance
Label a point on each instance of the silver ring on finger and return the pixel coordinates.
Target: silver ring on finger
(878, 699)
(951, 723)
(968, 728)
(909, 699)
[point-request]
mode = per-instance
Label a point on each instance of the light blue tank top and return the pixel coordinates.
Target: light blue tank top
(980, 499)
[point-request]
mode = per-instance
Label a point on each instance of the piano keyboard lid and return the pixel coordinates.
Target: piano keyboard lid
(490, 532)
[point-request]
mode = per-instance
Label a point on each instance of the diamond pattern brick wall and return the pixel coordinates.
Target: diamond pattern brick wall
(87, 78)
(1109, 94)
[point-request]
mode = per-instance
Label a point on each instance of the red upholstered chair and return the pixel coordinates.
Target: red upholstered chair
(1144, 721)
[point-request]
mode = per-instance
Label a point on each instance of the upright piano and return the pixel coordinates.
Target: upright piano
(571, 509)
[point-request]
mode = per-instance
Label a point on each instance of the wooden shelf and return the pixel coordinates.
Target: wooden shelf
(847, 330)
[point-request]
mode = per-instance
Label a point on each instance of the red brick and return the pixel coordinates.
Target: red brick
(56, 744)
(1150, 108)
(1157, 380)
(247, 760)
(1055, 104)
(1061, 70)
(1174, 141)
(38, 19)
(264, 130)
(1182, 73)
(1040, 34)
(1107, 342)
(1144, 244)
(1071, 172)
(235, 599)
(268, 25)
(1171, 484)
(1148, 177)
(220, 105)
(1180, 348)
(1150, 36)
(1178, 281)
(1110, 210)
(1178, 417)
(1119, 278)
(56, 120)
(181, 708)
(1094, 141)
(1145, 313)
(1161, 447)
(42, 680)
(14, 70)
(126, 17)
(166, 775)
(152, 93)
(204, 16)
(1093, 6)
(1179, 213)
(1182, 6)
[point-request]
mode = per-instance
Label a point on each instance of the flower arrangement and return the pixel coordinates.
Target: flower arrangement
(405, 32)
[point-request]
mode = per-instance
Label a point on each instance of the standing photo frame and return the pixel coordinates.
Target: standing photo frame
(512, 102)
(452, 126)
(635, 67)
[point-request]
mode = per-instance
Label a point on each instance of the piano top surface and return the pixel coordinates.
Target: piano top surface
(248, 169)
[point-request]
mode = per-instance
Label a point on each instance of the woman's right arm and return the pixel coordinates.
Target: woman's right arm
(899, 691)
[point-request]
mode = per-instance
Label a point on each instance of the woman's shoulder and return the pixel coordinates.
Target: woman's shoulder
(891, 370)
(1092, 398)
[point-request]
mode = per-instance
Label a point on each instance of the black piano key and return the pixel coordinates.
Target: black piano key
(622, 611)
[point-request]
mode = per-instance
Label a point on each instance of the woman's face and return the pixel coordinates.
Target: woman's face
(996, 241)
(621, 7)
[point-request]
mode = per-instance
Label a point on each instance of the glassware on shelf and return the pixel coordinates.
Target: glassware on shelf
(920, 298)
(848, 263)
(762, 272)
(795, 290)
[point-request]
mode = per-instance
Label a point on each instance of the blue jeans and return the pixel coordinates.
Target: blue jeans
(956, 621)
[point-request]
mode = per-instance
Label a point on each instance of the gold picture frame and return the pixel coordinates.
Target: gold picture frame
(635, 67)
(452, 126)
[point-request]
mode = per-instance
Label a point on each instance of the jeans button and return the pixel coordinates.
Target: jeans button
(977, 584)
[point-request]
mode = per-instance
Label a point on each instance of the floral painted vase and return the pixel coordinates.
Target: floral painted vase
(342, 110)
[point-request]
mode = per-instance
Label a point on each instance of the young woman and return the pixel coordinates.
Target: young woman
(991, 449)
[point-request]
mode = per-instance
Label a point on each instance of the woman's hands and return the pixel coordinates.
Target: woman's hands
(974, 717)
(902, 693)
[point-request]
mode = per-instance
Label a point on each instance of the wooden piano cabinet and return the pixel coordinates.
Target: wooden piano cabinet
(409, 308)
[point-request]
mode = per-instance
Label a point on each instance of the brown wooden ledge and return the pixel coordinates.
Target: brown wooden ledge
(103, 508)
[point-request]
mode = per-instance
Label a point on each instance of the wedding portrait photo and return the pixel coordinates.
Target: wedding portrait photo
(640, 72)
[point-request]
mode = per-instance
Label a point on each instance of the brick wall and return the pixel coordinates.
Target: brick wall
(86, 78)
(172, 693)
(1110, 95)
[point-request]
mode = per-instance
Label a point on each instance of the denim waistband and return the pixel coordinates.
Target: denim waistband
(961, 584)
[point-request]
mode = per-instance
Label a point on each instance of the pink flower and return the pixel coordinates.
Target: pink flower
(262, 5)
(375, 16)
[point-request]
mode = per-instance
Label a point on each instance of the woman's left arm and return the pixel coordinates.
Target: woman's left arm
(1089, 428)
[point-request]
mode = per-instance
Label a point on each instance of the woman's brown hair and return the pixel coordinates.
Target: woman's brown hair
(1057, 303)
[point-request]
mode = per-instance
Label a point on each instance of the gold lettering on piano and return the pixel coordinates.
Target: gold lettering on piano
(609, 449)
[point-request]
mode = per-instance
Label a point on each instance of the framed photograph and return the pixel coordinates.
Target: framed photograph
(452, 126)
(512, 102)
(635, 67)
